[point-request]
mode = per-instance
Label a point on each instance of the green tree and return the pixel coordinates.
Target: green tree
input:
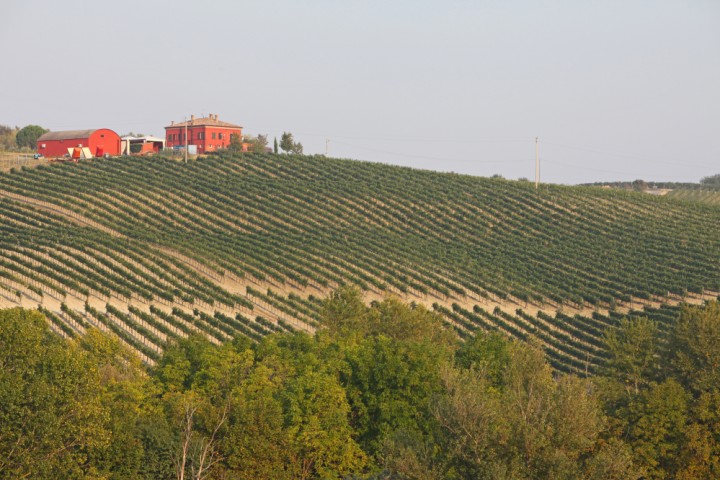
(508, 417)
(257, 144)
(28, 135)
(344, 314)
(633, 352)
(52, 420)
(657, 426)
(139, 437)
(236, 143)
(275, 145)
(287, 143)
(7, 137)
(291, 415)
(695, 344)
(711, 181)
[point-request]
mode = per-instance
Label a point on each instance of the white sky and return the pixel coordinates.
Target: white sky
(615, 90)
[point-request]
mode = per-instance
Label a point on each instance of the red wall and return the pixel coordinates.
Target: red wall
(58, 148)
(207, 144)
(105, 138)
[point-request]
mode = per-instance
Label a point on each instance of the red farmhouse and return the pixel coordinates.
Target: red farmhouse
(208, 133)
(100, 142)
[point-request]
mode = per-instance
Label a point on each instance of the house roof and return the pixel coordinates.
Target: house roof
(66, 134)
(146, 138)
(211, 121)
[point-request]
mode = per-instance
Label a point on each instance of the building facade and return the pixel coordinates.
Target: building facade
(208, 134)
(102, 141)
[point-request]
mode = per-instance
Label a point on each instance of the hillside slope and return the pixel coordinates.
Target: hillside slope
(249, 243)
(711, 197)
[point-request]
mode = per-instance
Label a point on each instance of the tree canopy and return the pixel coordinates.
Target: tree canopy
(378, 392)
(27, 136)
(289, 145)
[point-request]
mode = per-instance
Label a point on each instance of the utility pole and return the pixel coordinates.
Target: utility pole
(186, 139)
(537, 164)
(327, 142)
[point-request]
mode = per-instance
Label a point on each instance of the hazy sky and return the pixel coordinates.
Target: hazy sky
(614, 89)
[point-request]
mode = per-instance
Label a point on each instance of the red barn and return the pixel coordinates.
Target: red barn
(208, 133)
(100, 142)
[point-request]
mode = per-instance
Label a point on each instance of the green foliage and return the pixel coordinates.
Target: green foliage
(379, 392)
(657, 421)
(289, 145)
(28, 135)
(256, 144)
(7, 137)
(633, 352)
(696, 347)
(487, 352)
(671, 421)
(236, 143)
(344, 313)
(711, 181)
(52, 419)
(524, 425)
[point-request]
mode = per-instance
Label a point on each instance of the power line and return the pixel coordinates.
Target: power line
(409, 155)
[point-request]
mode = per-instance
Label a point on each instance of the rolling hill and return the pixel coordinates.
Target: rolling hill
(711, 197)
(246, 243)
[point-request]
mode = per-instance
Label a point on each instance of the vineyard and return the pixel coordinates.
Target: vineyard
(249, 244)
(711, 197)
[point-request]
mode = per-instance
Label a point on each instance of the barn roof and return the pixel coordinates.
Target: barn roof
(211, 121)
(66, 134)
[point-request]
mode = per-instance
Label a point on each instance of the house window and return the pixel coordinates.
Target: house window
(214, 135)
(220, 136)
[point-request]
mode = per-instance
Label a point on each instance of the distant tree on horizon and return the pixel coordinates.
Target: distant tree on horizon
(289, 145)
(711, 181)
(7, 137)
(28, 136)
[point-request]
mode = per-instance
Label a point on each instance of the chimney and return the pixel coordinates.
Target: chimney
(192, 118)
(215, 117)
(172, 122)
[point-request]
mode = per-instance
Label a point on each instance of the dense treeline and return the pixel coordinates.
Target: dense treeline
(382, 392)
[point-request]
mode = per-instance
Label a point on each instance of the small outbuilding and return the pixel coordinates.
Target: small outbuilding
(102, 141)
(141, 145)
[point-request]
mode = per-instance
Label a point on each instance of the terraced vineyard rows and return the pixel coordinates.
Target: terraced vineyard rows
(711, 197)
(154, 249)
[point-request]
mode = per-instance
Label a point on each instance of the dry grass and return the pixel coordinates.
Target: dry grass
(10, 160)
